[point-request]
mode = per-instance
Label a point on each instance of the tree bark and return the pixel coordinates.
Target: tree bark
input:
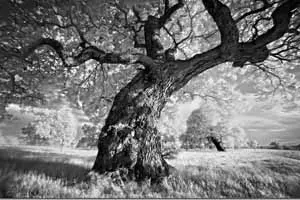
(130, 139)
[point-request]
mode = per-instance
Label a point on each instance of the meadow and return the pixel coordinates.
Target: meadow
(38, 172)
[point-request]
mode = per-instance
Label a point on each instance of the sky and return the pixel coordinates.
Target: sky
(272, 120)
(267, 125)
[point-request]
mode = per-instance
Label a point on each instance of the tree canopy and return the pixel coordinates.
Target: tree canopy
(46, 40)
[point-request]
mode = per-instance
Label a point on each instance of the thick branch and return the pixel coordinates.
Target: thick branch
(169, 11)
(185, 70)
(93, 53)
(152, 28)
(227, 27)
(256, 51)
(281, 20)
(86, 54)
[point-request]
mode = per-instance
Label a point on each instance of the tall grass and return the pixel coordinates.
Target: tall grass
(275, 174)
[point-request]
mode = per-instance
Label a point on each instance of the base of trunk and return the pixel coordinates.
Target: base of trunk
(137, 152)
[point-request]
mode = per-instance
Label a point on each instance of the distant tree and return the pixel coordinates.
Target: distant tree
(190, 141)
(52, 127)
(196, 131)
(252, 144)
(275, 145)
(199, 130)
(233, 136)
(169, 133)
(205, 127)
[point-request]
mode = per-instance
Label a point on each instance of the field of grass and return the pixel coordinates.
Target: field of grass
(46, 173)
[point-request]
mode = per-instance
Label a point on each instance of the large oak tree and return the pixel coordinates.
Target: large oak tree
(60, 37)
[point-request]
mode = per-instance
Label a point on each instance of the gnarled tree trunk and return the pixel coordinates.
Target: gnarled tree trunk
(130, 138)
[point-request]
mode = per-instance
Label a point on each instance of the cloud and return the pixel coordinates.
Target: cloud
(256, 121)
(270, 119)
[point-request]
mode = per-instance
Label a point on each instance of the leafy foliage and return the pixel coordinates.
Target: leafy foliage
(112, 26)
(89, 136)
(253, 144)
(30, 135)
(52, 127)
(275, 145)
(200, 128)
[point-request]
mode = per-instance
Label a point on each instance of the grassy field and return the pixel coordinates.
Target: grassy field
(46, 173)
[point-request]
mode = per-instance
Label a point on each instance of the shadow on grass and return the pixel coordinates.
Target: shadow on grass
(16, 152)
(53, 165)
